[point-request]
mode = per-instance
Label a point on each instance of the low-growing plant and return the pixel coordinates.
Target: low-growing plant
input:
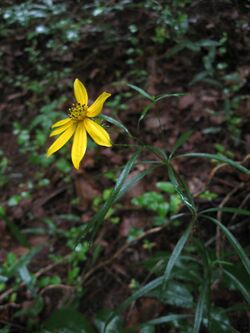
(160, 204)
(185, 277)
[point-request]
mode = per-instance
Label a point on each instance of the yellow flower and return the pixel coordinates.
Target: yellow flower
(79, 123)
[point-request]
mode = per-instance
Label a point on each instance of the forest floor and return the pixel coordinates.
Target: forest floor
(45, 202)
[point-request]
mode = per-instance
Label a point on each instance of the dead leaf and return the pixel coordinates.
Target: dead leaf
(186, 101)
(86, 190)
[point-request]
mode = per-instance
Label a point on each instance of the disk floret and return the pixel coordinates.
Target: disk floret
(77, 111)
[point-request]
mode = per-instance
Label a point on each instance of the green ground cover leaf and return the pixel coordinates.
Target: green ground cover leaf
(233, 241)
(220, 158)
(67, 320)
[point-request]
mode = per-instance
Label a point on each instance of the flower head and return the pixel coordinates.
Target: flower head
(79, 123)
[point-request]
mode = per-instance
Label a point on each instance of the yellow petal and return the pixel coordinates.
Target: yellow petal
(61, 129)
(61, 122)
(97, 133)
(80, 91)
(79, 145)
(97, 106)
(63, 138)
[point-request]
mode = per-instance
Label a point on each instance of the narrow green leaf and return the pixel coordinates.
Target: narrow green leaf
(238, 285)
(219, 321)
(220, 158)
(182, 189)
(202, 250)
(137, 294)
(175, 294)
(147, 329)
(158, 98)
(142, 92)
(198, 77)
(236, 308)
(200, 307)
(180, 141)
(162, 279)
(134, 180)
(208, 43)
(144, 113)
(166, 319)
(116, 123)
(125, 172)
(105, 325)
(232, 329)
(227, 210)
(160, 153)
(204, 299)
(177, 251)
(141, 292)
(94, 224)
(233, 241)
